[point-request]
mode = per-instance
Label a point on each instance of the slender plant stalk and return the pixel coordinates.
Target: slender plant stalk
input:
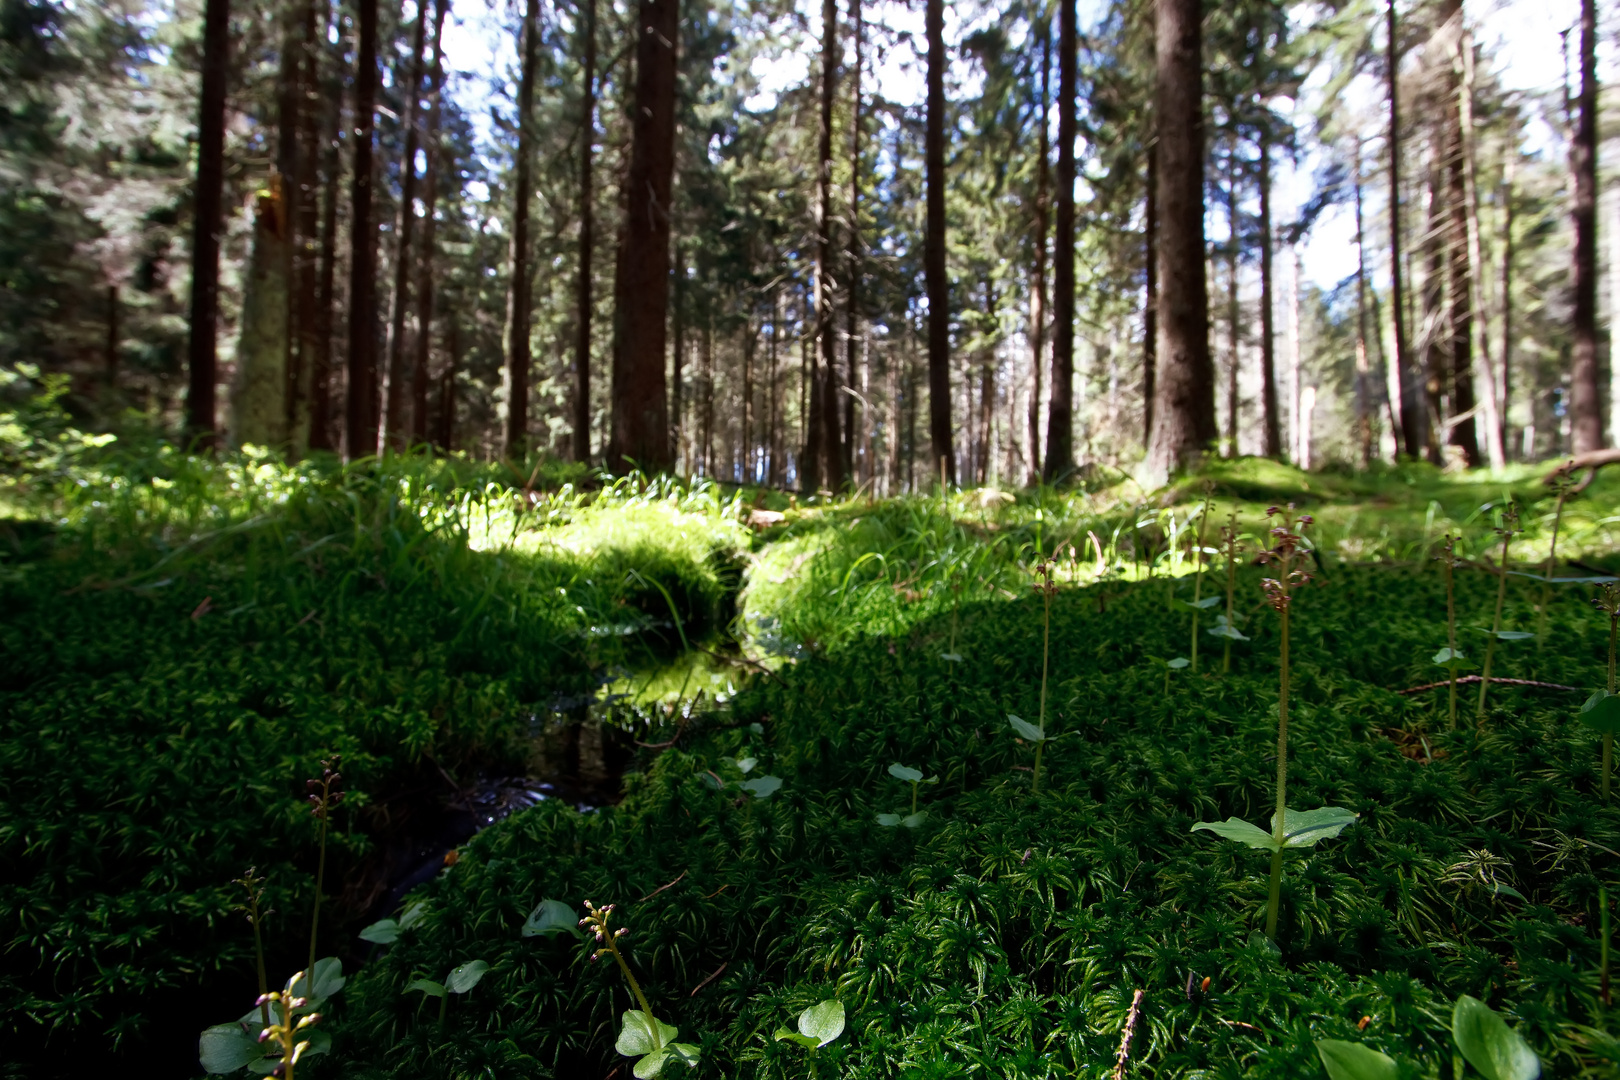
(320, 883)
(255, 888)
(1046, 655)
(1608, 736)
(1231, 587)
(1450, 563)
(1552, 558)
(1198, 580)
(1603, 946)
(1279, 829)
(914, 784)
(635, 988)
(1508, 521)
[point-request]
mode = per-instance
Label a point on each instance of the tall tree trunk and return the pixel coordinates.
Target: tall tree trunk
(1184, 408)
(1511, 153)
(362, 412)
(853, 289)
(1364, 382)
(515, 382)
(830, 465)
(1234, 243)
(1491, 413)
(1435, 357)
(677, 386)
(1463, 434)
(393, 431)
(1271, 443)
(938, 285)
(750, 343)
(110, 353)
(321, 433)
(306, 228)
(1037, 297)
(773, 415)
(640, 418)
(1585, 406)
(1298, 437)
(587, 240)
(425, 264)
(207, 223)
(1413, 419)
(708, 398)
(446, 436)
(1150, 307)
(1060, 407)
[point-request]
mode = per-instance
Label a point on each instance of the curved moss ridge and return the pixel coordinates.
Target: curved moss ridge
(1007, 935)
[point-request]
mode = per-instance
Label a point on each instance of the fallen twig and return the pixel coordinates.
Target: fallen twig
(1462, 679)
(1123, 1058)
(660, 889)
(742, 661)
(709, 980)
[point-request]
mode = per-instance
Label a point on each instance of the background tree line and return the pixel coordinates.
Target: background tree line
(299, 225)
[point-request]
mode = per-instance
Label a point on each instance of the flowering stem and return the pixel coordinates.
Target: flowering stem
(320, 883)
(1046, 652)
(635, 988)
(1496, 626)
(1608, 736)
(1279, 828)
(1451, 627)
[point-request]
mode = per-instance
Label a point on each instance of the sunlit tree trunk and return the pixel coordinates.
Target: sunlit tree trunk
(1271, 420)
(587, 240)
(1412, 439)
(1150, 307)
(938, 286)
(1234, 242)
(1060, 406)
(830, 465)
(1586, 417)
(1435, 366)
(515, 381)
(425, 263)
(207, 222)
(321, 420)
(1037, 292)
(360, 438)
(854, 453)
(394, 430)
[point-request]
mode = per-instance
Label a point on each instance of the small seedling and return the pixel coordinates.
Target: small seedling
(1485, 1041)
(1508, 527)
(459, 981)
(1601, 712)
(1198, 603)
(818, 1026)
(1037, 733)
(1450, 656)
(387, 931)
(914, 777)
(550, 918)
(760, 787)
(1354, 1061)
(1226, 625)
(641, 1035)
(1562, 481)
(1180, 663)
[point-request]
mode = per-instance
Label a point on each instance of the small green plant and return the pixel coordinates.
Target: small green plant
(1562, 481)
(641, 1035)
(1450, 656)
(1226, 625)
(1036, 733)
(1289, 828)
(460, 980)
(1198, 602)
(285, 1032)
(1506, 530)
(1483, 1039)
(323, 796)
(914, 777)
(818, 1026)
(1601, 712)
(550, 918)
(760, 787)
(387, 931)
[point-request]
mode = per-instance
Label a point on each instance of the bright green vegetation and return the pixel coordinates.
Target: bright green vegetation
(185, 641)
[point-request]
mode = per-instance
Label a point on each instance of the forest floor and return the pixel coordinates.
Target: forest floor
(707, 705)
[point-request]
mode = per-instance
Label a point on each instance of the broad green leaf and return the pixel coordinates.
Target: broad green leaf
(414, 913)
(712, 781)
(747, 764)
(888, 821)
(1306, 828)
(1514, 635)
(1200, 605)
(1026, 729)
(1594, 579)
(757, 728)
(911, 821)
(465, 977)
(382, 932)
(955, 658)
(762, 787)
(1241, 831)
(1353, 1061)
(905, 772)
(1178, 663)
(636, 1034)
(1449, 656)
(550, 918)
(1490, 1046)
(427, 986)
(225, 1048)
(1224, 629)
(824, 1022)
(784, 1035)
(1601, 712)
(651, 1065)
(1500, 889)
(327, 979)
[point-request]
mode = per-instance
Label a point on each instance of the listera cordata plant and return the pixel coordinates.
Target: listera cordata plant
(263, 1041)
(914, 777)
(1506, 529)
(1601, 713)
(1199, 602)
(1290, 829)
(460, 980)
(1450, 656)
(1482, 1038)
(1046, 585)
(1226, 625)
(819, 1025)
(641, 1035)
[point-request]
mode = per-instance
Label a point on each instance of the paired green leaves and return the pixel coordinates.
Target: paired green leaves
(1199, 605)
(905, 772)
(1025, 729)
(459, 981)
(1451, 658)
(1601, 712)
(818, 1025)
(1301, 829)
(1178, 663)
(1506, 635)
(648, 1038)
(1224, 629)
(225, 1048)
(321, 982)
(910, 821)
(1353, 1061)
(387, 931)
(550, 918)
(762, 787)
(1490, 1046)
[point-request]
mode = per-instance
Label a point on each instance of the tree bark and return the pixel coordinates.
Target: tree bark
(938, 285)
(1060, 407)
(1586, 417)
(430, 198)
(830, 465)
(1491, 424)
(587, 240)
(677, 385)
(1150, 307)
(515, 382)
(1364, 383)
(1234, 243)
(1413, 420)
(1464, 434)
(1271, 422)
(393, 430)
(446, 435)
(1511, 154)
(306, 226)
(1435, 366)
(360, 438)
(1037, 298)
(207, 222)
(321, 433)
(640, 418)
(1184, 406)
(853, 448)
